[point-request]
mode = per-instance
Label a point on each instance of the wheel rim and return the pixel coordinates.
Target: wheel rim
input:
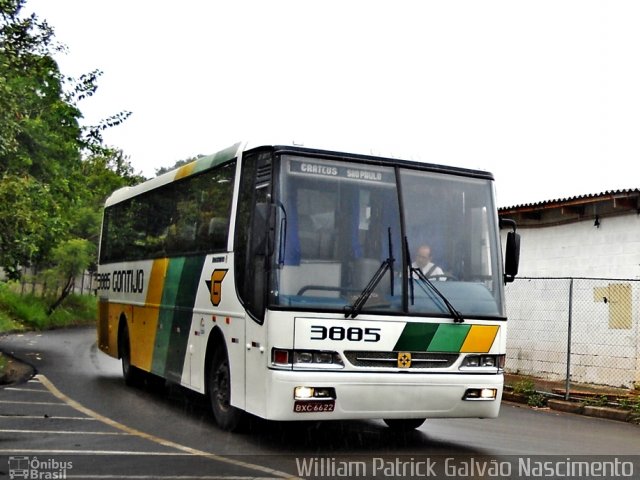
(221, 386)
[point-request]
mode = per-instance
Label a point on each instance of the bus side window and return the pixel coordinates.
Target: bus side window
(255, 189)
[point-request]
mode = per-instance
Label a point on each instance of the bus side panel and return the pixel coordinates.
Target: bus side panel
(217, 307)
(104, 327)
(144, 324)
(175, 316)
(142, 331)
(115, 312)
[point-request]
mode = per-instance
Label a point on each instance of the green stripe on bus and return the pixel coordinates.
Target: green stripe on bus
(416, 337)
(432, 337)
(165, 318)
(183, 313)
(449, 338)
(216, 159)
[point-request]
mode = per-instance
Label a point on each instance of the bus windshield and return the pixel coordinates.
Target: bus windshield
(398, 240)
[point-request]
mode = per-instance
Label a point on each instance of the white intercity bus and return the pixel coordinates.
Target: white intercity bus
(286, 282)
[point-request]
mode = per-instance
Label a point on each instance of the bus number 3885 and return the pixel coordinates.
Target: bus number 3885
(351, 334)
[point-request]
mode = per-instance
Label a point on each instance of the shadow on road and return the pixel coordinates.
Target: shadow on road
(300, 437)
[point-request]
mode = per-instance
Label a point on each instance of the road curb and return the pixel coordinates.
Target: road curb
(607, 412)
(565, 406)
(575, 408)
(15, 371)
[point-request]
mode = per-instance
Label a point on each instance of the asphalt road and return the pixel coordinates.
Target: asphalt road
(77, 418)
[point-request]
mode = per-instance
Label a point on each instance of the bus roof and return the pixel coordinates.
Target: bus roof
(199, 165)
(233, 151)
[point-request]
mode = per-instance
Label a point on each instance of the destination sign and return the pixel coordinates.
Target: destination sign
(350, 172)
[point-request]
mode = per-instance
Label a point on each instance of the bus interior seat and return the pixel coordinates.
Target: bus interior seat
(311, 273)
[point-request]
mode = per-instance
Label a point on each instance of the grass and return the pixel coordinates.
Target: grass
(29, 312)
(20, 313)
(527, 388)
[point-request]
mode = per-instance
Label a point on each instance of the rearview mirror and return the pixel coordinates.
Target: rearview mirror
(512, 257)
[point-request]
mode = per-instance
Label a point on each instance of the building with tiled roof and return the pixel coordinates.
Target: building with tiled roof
(592, 235)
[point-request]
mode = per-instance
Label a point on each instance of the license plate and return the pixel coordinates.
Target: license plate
(313, 406)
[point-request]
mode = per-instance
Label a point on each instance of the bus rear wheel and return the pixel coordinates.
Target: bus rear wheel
(404, 424)
(219, 389)
(132, 376)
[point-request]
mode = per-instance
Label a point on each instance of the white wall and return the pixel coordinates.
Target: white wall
(538, 309)
(582, 250)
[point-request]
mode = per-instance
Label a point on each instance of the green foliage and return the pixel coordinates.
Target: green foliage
(71, 258)
(597, 401)
(48, 192)
(632, 404)
(24, 309)
(524, 387)
(76, 310)
(40, 135)
(50, 196)
(20, 312)
(536, 400)
(527, 388)
(7, 324)
(28, 219)
(39, 125)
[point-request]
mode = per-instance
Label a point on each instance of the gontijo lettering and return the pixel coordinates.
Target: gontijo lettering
(128, 281)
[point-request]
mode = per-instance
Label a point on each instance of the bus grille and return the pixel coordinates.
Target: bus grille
(419, 360)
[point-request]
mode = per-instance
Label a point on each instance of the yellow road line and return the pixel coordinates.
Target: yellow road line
(166, 443)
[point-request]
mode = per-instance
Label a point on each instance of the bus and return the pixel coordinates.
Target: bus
(283, 282)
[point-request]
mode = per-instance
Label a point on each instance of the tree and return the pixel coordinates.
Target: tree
(49, 194)
(28, 216)
(39, 135)
(71, 258)
(40, 130)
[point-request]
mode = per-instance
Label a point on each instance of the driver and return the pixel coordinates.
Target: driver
(424, 262)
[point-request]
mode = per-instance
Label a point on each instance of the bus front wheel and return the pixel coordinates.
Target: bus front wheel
(219, 389)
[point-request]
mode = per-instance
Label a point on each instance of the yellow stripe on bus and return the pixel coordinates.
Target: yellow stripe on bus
(185, 170)
(145, 319)
(480, 339)
(156, 282)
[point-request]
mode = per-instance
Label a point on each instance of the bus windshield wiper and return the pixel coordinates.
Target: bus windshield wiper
(387, 265)
(457, 316)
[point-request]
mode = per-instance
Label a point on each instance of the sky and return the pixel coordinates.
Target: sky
(543, 94)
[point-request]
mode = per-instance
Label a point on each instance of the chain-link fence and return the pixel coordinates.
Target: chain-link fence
(83, 284)
(581, 330)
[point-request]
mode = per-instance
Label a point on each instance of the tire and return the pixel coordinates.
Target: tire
(227, 417)
(404, 424)
(132, 376)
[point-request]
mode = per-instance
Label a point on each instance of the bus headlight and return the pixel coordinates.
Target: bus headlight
(319, 393)
(471, 362)
(480, 394)
(309, 359)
